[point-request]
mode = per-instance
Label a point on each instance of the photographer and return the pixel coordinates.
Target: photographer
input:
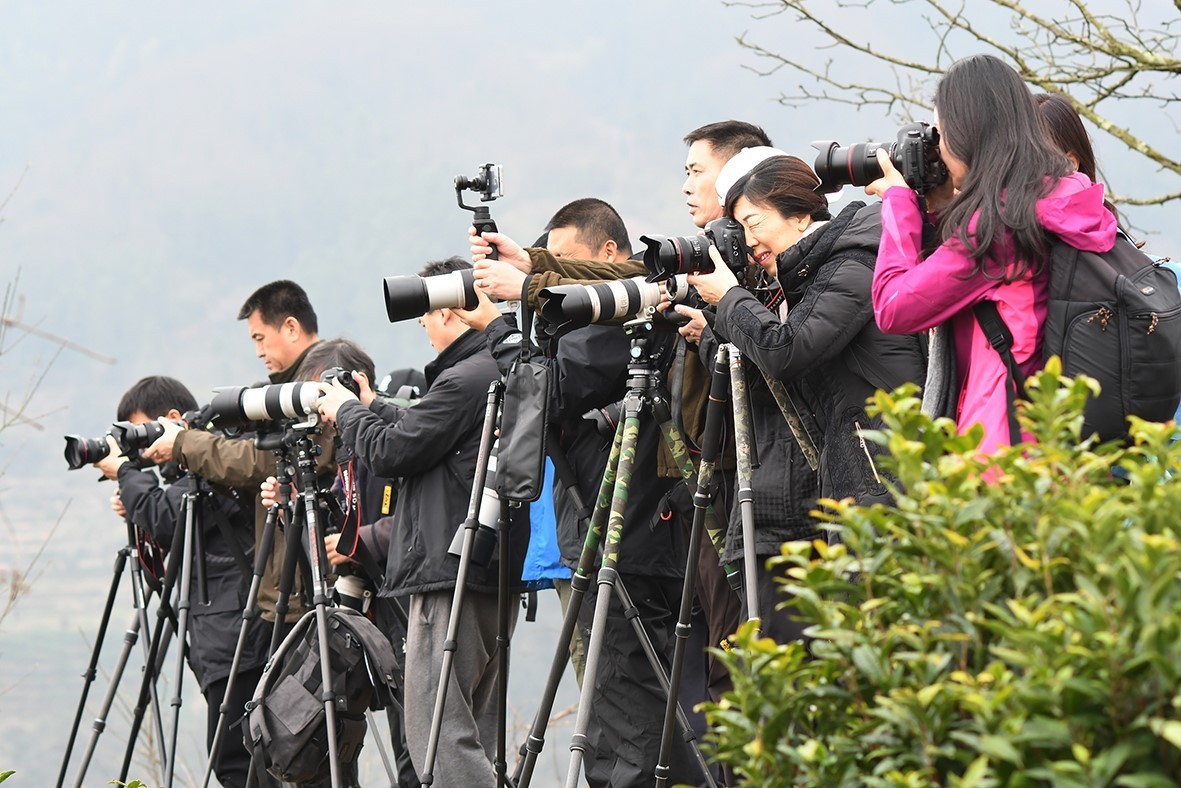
(213, 628)
(589, 371)
(816, 331)
(283, 326)
(433, 447)
(1009, 189)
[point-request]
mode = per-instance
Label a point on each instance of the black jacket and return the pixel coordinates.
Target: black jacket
(213, 628)
(589, 371)
(830, 351)
(432, 448)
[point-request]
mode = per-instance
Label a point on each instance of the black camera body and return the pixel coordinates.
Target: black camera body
(667, 257)
(915, 154)
(345, 377)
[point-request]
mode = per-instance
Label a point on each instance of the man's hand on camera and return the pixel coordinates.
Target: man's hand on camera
(335, 558)
(691, 331)
(508, 250)
(484, 313)
(109, 465)
(332, 396)
(160, 452)
(367, 394)
(117, 505)
(499, 280)
(712, 286)
(890, 176)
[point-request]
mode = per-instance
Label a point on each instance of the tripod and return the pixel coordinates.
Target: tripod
(645, 390)
(728, 384)
(138, 624)
(477, 520)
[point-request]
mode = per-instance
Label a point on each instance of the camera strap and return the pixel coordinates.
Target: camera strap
(350, 531)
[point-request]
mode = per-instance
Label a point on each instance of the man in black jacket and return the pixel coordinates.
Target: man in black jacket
(433, 448)
(589, 371)
(213, 628)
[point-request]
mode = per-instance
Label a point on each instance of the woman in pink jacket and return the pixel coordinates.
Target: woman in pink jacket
(1008, 189)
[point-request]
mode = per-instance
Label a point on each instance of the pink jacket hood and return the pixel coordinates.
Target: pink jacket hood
(1074, 211)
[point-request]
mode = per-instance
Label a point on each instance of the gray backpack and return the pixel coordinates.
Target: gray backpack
(286, 727)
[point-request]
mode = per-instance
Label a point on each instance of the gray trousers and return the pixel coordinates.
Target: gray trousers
(467, 742)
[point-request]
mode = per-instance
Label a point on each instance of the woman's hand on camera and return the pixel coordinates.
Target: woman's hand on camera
(508, 250)
(332, 396)
(712, 286)
(498, 279)
(160, 452)
(890, 176)
(109, 465)
(484, 313)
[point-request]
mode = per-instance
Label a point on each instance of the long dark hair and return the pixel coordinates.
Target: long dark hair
(783, 183)
(1067, 131)
(988, 120)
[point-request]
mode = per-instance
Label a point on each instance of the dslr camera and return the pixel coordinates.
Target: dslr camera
(915, 154)
(668, 257)
(345, 377)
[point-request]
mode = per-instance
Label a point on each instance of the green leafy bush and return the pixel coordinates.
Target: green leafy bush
(1014, 620)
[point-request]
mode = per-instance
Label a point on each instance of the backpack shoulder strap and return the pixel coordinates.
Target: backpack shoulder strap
(380, 658)
(999, 336)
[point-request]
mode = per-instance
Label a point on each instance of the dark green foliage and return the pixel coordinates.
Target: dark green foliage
(1015, 620)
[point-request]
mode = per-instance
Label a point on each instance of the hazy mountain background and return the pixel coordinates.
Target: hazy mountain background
(172, 158)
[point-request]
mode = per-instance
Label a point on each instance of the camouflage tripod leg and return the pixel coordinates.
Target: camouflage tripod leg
(578, 585)
(744, 445)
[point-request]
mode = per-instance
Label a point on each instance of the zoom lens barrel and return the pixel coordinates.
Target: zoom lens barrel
(237, 405)
(85, 451)
(574, 306)
(408, 297)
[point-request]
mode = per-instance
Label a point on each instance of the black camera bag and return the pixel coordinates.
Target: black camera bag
(1115, 317)
(520, 459)
(286, 727)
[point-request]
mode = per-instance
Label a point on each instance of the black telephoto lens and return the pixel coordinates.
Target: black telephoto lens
(666, 257)
(854, 164)
(134, 437)
(85, 451)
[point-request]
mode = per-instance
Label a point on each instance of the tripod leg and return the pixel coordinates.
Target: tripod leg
(100, 722)
(744, 443)
(487, 439)
(607, 576)
(191, 508)
(291, 550)
(502, 647)
(156, 651)
(88, 676)
(578, 586)
(710, 448)
(249, 613)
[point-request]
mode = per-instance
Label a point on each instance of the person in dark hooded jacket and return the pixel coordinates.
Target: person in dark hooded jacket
(817, 335)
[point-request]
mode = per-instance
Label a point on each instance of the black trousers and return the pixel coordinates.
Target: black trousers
(233, 759)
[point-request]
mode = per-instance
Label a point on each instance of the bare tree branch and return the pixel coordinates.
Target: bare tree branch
(1089, 57)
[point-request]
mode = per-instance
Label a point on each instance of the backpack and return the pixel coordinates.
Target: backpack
(1116, 317)
(286, 726)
